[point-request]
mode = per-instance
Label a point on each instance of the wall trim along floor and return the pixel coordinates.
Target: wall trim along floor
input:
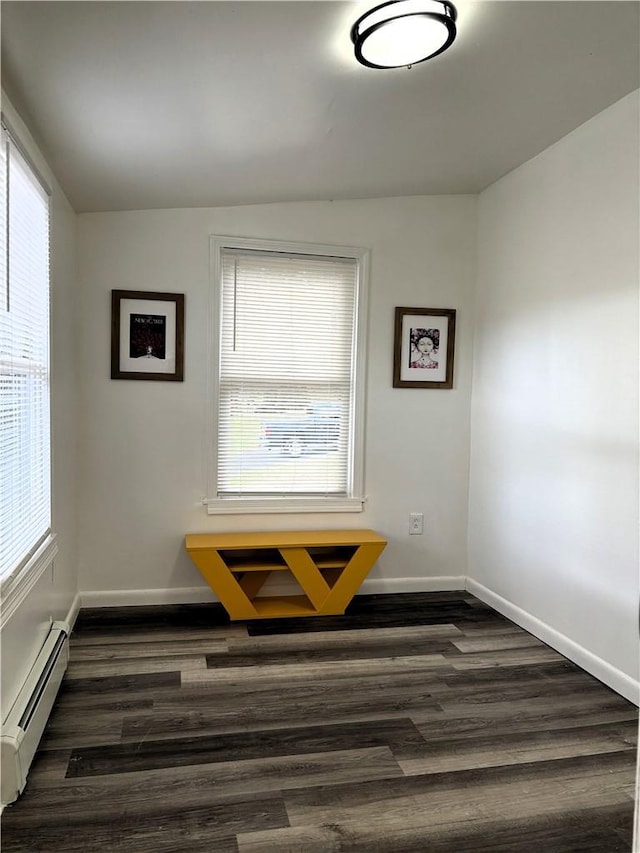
(73, 611)
(202, 594)
(599, 668)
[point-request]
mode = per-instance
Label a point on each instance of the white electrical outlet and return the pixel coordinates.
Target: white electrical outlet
(416, 520)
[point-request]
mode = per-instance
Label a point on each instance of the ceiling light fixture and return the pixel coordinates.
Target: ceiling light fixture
(404, 32)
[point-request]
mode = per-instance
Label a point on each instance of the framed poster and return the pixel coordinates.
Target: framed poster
(424, 347)
(147, 335)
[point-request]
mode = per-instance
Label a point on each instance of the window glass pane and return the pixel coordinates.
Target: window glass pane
(4, 142)
(286, 374)
(25, 504)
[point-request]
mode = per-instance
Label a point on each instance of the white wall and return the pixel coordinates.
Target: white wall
(553, 522)
(53, 596)
(142, 447)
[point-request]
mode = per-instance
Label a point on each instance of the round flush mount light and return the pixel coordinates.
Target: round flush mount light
(404, 32)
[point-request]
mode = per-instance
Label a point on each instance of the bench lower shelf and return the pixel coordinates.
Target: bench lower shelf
(269, 607)
(329, 566)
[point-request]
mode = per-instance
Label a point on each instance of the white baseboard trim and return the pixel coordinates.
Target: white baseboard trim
(382, 586)
(373, 586)
(141, 597)
(599, 668)
(73, 611)
(202, 594)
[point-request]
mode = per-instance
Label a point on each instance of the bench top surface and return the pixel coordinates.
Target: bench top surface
(282, 539)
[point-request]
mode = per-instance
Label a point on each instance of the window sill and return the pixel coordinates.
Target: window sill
(17, 586)
(247, 506)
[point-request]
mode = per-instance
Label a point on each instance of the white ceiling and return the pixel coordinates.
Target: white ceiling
(189, 104)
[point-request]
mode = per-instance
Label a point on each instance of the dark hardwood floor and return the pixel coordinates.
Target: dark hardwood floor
(423, 722)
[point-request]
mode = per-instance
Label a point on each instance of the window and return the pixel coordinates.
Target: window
(25, 459)
(287, 391)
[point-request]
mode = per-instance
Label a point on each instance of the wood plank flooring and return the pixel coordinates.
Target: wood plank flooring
(416, 722)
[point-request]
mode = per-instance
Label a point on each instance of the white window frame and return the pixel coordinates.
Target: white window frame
(16, 585)
(239, 504)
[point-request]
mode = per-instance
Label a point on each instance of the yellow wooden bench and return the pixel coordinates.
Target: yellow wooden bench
(329, 566)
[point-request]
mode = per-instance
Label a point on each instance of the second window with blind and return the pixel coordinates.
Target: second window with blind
(287, 390)
(26, 542)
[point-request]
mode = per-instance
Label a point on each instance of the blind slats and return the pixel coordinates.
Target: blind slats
(286, 374)
(25, 458)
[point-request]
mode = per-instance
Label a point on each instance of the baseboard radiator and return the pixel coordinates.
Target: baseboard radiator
(23, 728)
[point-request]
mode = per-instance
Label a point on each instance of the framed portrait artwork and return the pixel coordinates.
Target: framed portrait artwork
(424, 345)
(147, 335)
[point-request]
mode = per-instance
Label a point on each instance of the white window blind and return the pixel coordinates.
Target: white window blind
(25, 491)
(286, 374)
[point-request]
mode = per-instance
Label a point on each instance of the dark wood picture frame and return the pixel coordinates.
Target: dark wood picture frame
(161, 319)
(409, 361)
